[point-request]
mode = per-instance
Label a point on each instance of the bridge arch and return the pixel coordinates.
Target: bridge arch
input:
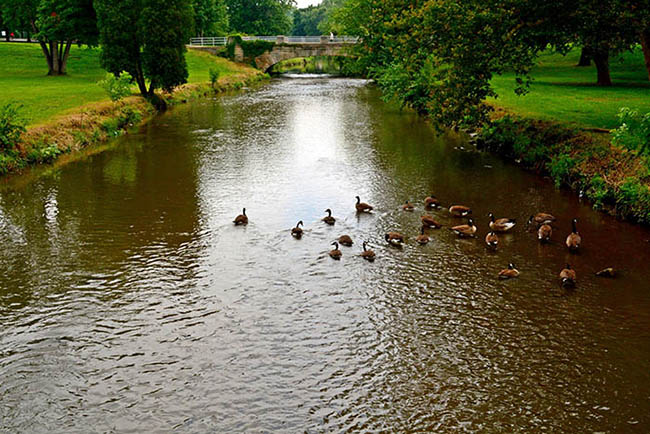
(278, 53)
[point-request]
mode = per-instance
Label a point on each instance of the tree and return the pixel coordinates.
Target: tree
(307, 20)
(210, 17)
(260, 17)
(145, 38)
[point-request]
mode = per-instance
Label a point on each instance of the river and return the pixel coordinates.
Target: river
(131, 303)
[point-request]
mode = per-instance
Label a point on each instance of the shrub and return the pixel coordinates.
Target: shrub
(117, 87)
(633, 132)
(598, 192)
(560, 168)
(214, 76)
(43, 153)
(633, 199)
(12, 126)
(128, 117)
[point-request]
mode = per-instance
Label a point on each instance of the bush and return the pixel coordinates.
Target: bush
(117, 87)
(560, 168)
(633, 132)
(214, 76)
(633, 199)
(128, 117)
(12, 126)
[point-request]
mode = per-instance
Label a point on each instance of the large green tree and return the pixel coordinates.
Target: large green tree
(210, 17)
(260, 17)
(147, 39)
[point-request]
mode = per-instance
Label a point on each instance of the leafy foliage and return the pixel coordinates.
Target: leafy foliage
(260, 17)
(633, 132)
(210, 17)
(214, 76)
(12, 126)
(117, 87)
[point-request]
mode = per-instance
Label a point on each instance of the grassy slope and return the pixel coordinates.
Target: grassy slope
(23, 79)
(563, 92)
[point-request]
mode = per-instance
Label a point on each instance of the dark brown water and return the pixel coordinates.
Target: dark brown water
(130, 303)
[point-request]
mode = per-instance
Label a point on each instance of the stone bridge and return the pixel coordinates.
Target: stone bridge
(285, 49)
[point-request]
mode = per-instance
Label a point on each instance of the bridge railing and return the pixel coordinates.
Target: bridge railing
(222, 40)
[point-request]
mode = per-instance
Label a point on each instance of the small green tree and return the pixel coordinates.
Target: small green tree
(117, 87)
(12, 126)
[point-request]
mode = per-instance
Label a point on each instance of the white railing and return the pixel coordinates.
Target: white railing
(209, 42)
(222, 40)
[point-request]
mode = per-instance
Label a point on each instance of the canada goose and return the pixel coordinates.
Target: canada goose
(568, 277)
(335, 253)
(501, 225)
(345, 240)
(394, 238)
(430, 222)
(328, 218)
(422, 239)
(368, 255)
(606, 272)
(492, 240)
(467, 230)
(459, 210)
(408, 206)
(297, 231)
(573, 240)
(362, 206)
(509, 272)
(544, 233)
(241, 219)
(541, 218)
(431, 202)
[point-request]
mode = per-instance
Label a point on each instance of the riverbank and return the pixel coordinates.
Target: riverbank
(561, 129)
(58, 125)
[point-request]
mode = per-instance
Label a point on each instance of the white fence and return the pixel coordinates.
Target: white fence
(222, 40)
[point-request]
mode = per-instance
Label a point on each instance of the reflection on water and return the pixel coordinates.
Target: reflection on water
(129, 301)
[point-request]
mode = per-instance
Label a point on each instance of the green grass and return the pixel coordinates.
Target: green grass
(24, 80)
(563, 92)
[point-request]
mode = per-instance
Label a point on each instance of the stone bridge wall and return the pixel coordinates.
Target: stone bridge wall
(282, 52)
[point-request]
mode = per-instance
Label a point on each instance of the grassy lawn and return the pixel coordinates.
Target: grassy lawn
(24, 80)
(563, 92)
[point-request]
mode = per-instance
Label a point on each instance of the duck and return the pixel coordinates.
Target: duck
(431, 202)
(430, 222)
(241, 219)
(502, 224)
(345, 240)
(574, 239)
(408, 206)
(568, 277)
(394, 238)
(467, 230)
(541, 218)
(606, 272)
(509, 273)
(492, 240)
(367, 254)
(362, 206)
(459, 210)
(328, 218)
(335, 253)
(422, 239)
(297, 231)
(544, 233)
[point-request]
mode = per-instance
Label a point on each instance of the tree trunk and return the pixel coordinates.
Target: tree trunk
(54, 63)
(601, 59)
(585, 57)
(139, 79)
(7, 35)
(645, 44)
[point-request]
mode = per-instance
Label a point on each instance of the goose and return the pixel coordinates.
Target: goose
(568, 277)
(328, 218)
(492, 240)
(544, 233)
(541, 218)
(509, 273)
(606, 272)
(394, 238)
(422, 239)
(368, 255)
(241, 219)
(467, 230)
(408, 206)
(345, 240)
(459, 210)
(502, 224)
(297, 231)
(431, 202)
(362, 206)
(573, 240)
(430, 222)
(335, 253)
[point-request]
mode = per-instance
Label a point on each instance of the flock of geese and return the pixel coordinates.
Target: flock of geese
(541, 221)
